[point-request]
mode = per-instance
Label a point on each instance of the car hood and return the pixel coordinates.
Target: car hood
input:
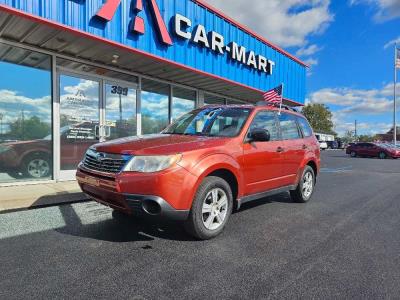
(158, 144)
(22, 143)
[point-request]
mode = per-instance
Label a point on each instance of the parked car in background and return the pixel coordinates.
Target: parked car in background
(373, 150)
(204, 165)
(323, 145)
(332, 144)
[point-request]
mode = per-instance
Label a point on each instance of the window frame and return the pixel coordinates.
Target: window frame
(278, 128)
(301, 128)
(300, 132)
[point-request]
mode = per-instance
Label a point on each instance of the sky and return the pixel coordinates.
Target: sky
(349, 45)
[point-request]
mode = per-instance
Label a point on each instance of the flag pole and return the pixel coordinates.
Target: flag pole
(395, 96)
(280, 105)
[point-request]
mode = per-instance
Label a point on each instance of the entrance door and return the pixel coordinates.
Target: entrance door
(92, 110)
(79, 120)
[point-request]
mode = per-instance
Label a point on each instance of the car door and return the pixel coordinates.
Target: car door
(294, 147)
(262, 161)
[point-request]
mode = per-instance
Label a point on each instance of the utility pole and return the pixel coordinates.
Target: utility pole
(1, 124)
(394, 95)
(355, 130)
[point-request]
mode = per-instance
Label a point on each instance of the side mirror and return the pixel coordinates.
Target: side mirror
(259, 135)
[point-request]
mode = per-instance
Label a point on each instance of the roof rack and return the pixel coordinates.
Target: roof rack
(277, 105)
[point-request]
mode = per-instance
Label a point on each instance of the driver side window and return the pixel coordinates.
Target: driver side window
(266, 120)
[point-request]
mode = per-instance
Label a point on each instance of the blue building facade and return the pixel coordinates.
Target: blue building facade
(83, 16)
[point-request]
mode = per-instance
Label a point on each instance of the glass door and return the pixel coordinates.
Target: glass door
(79, 120)
(120, 109)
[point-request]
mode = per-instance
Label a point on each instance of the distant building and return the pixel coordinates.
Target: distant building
(388, 137)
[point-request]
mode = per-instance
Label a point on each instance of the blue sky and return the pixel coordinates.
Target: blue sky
(344, 42)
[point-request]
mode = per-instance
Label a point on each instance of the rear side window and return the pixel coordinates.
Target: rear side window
(289, 128)
(266, 120)
(307, 131)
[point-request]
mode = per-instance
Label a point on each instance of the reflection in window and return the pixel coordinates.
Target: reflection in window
(289, 128)
(183, 101)
(307, 131)
(266, 120)
(211, 99)
(120, 110)
(25, 115)
(155, 97)
(79, 118)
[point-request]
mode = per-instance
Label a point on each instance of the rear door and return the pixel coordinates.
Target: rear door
(262, 161)
(294, 147)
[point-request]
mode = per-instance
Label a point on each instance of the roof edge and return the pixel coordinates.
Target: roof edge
(249, 31)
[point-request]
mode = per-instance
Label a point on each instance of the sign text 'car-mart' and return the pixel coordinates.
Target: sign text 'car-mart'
(183, 28)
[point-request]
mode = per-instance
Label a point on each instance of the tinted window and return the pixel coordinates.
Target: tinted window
(266, 120)
(289, 128)
(307, 131)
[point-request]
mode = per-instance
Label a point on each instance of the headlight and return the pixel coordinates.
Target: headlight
(149, 164)
(4, 148)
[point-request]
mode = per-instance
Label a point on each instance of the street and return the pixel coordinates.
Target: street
(345, 243)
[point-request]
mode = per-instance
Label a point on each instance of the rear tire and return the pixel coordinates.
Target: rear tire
(211, 209)
(306, 186)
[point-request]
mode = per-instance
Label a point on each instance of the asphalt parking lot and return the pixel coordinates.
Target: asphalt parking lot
(343, 244)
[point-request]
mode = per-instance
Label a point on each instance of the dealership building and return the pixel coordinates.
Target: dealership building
(74, 73)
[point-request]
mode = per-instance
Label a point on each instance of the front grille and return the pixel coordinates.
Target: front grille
(104, 162)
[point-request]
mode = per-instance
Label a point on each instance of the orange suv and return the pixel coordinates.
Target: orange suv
(207, 163)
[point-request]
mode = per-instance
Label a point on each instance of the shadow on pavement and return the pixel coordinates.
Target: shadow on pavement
(279, 198)
(121, 228)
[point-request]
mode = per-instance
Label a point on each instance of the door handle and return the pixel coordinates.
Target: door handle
(280, 150)
(305, 147)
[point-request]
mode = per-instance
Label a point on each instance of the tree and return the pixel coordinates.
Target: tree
(29, 129)
(320, 117)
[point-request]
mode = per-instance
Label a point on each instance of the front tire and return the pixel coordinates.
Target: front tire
(353, 154)
(211, 209)
(305, 188)
(382, 155)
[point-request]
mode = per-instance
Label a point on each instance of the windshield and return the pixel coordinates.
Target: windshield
(211, 121)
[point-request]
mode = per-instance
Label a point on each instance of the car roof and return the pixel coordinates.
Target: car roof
(256, 108)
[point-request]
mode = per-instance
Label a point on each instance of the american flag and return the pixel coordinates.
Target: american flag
(274, 95)
(397, 63)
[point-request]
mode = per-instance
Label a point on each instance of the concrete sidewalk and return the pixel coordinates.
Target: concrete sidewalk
(15, 197)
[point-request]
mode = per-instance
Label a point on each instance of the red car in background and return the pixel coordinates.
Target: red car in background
(373, 150)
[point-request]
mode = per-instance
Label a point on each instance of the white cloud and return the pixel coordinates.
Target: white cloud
(392, 43)
(308, 50)
(287, 23)
(355, 102)
(385, 9)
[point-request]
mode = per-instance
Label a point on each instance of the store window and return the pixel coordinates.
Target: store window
(155, 106)
(211, 99)
(183, 101)
(26, 147)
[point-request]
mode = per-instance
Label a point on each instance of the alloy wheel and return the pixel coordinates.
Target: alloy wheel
(308, 185)
(214, 209)
(38, 168)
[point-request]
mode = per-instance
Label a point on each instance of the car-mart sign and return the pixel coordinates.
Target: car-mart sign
(197, 34)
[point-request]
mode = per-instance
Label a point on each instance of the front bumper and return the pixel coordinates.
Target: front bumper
(155, 196)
